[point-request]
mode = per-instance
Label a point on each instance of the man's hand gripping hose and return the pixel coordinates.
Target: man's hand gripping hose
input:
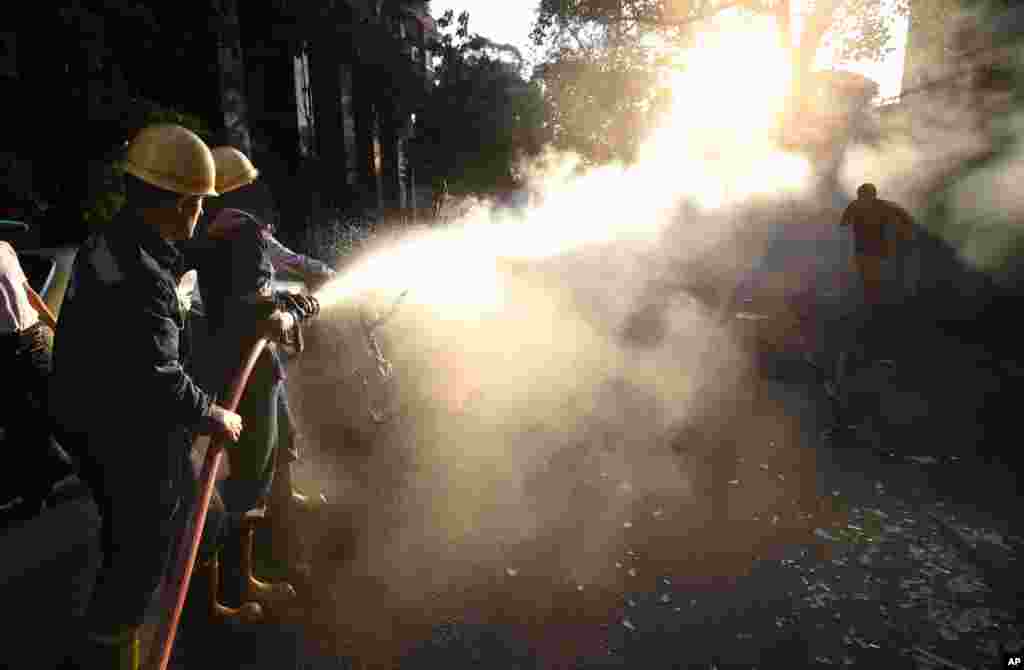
(221, 424)
(301, 308)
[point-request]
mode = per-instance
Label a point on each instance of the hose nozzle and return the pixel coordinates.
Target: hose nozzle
(302, 307)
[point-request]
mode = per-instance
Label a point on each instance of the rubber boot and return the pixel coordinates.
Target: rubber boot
(286, 499)
(269, 595)
(119, 651)
(204, 598)
(287, 452)
(289, 512)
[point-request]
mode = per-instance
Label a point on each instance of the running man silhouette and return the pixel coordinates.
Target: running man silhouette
(879, 226)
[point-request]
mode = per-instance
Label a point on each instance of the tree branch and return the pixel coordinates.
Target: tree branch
(702, 16)
(575, 34)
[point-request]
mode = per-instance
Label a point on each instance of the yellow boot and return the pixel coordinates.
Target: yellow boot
(285, 498)
(270, 595)
(205, 585)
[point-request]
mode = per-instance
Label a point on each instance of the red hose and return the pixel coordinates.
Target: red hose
(177, 586)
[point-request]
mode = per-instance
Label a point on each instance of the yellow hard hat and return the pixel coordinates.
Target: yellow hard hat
(234, 169)
(172, 158)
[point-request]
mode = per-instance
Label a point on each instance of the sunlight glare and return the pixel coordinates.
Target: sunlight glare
(716, 148)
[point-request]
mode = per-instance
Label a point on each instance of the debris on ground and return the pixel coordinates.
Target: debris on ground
(926, 591)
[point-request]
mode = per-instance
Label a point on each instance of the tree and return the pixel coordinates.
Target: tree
(483, 115)
(100, 101)
(604, 57)
(600, 78)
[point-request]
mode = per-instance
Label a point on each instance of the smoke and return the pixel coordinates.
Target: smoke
(561, 377)
(951, 151)
(547, 363)
(531, 438)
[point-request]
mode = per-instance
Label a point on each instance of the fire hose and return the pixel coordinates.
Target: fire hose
(302, 308)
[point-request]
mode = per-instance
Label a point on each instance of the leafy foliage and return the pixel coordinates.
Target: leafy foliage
(105, 194)
(482, 115)
(107, 31)
(595, 103)
(604, 58)
(339, 239)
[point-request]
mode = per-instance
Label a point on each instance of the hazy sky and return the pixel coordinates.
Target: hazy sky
(505, 21)
(509, 21)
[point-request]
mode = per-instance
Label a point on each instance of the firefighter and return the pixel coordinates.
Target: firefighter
(879, 226)
(881, 230)
(236, 269)
(26, 359)
(121, 392)
(236, 171)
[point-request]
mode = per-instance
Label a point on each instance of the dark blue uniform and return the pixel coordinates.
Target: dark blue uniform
(121, 390)
(236, 280)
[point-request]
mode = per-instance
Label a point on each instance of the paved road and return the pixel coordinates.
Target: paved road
(683, 608)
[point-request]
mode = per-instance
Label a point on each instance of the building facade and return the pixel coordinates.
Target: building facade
(322, 95)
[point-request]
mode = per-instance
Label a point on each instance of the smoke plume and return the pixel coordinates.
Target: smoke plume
(560, 376)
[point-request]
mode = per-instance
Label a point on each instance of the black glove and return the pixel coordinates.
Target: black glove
(302, 308)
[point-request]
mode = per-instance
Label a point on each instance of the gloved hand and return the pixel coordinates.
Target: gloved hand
(308, 305)
(300, 308)
(299, 305)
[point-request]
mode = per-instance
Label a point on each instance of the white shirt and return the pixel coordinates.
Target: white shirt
(16, 312)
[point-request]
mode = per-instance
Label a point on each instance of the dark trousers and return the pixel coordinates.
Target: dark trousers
(253, 464)
(25, 358)
(288, 444)
(251, 459)
(145, 505)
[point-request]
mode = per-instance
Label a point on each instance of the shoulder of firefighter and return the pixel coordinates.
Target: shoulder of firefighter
(119, 342)
(235, 270)
(849, 213)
